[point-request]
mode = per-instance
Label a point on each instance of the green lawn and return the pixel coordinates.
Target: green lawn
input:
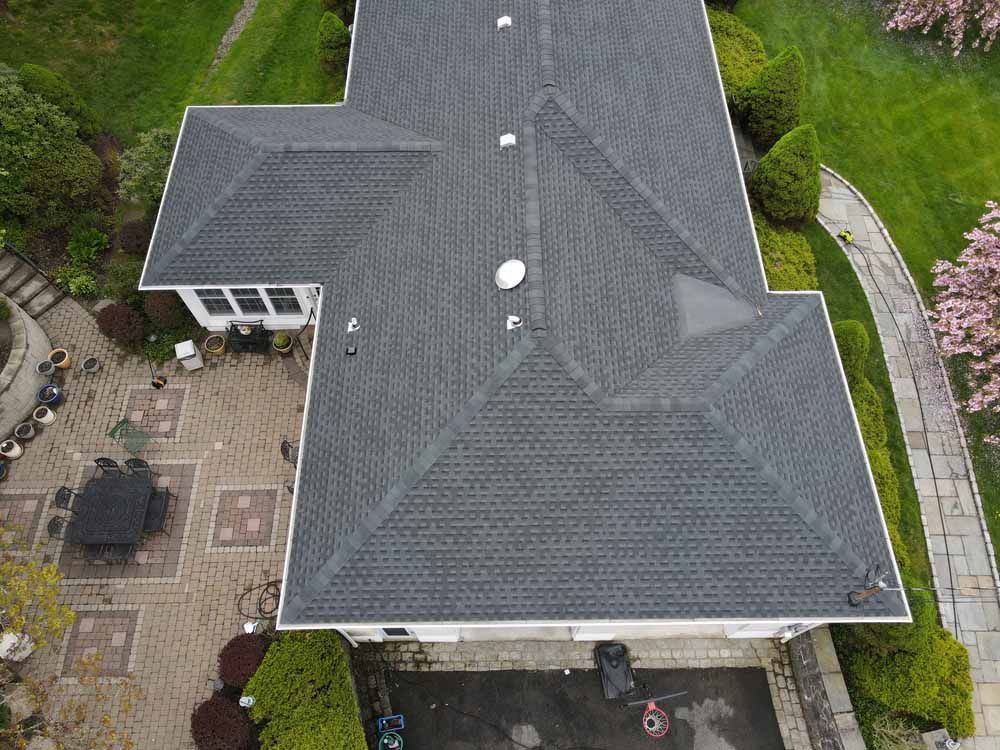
(914, 129)
(134, 61)
(845, 299)
(274, 61)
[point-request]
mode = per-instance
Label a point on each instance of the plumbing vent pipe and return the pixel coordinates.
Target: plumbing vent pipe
(503, 23)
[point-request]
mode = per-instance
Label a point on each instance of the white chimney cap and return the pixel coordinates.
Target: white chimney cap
(503, 23)
(507, 140)
(510, 274)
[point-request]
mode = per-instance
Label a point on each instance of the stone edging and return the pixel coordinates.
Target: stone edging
(18, 380)
(977, 498)
(19, 344)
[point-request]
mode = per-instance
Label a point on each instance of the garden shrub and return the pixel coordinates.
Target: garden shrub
(887, 485)
(56, 90)
(134, 236)
(343, 8)
(738, 49)
(120, 323)
(871, 419)
(143, 168)
(4, 310)
(240, 658)
(853, 344)
(122, 282)
(165, 310)
(76, 279)
(220, 724)
(86, 246)
(789, 262)
(786, 182)
(304, 695)
(334, 41)
(771, 103)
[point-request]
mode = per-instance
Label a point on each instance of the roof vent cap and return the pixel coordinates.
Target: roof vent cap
(510, 274)
(514, 321)
(503, 23)
(507, 140)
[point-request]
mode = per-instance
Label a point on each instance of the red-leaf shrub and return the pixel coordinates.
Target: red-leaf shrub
(218, 724)
(134, 236)
(165, 309)
(240, 658)
(120, 323)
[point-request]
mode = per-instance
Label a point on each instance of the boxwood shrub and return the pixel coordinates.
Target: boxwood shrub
(56, 90)
(738, 49)
(771, 103)
(853, 344)
(334, 41)
(304, 695)
(871, 419)
(788, 259)
(786, 183)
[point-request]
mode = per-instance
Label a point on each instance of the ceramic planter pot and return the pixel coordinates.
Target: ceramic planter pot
(45, 367)
(24, 431)
(90, 365)
(11, 449)
(60, 358)
(50, 395)
(215, 344)
(286, 348)
(43, 415)
(3, 471)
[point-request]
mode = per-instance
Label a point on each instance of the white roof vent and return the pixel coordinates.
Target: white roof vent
(513, 321)
(510, 274)
(507, 140)
(503, 23)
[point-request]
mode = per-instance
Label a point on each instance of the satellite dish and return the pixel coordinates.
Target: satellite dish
(510, 274)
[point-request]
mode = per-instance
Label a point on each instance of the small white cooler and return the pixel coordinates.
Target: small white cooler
(188, 355)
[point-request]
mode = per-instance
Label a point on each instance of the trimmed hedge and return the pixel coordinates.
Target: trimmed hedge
(853, 344)
(738, 49)
(343, 8)
(871, 418)
(220, 724)
(786, 182)
(304, 695)
(56, 90)
(334, 41)
(241, 657)
(788, 259)
(771, 103)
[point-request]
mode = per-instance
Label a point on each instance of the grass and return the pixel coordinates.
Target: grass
(846, 300)
(915, 130)
(274, 61)
(133, 61)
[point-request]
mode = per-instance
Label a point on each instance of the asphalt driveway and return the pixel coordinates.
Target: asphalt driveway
(724, 709)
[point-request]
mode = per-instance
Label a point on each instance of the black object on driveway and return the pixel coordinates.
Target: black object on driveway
(616, 674)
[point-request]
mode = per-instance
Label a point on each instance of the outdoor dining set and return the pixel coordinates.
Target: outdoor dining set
(112, 513)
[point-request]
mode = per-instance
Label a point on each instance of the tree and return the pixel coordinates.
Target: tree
(334, 41)
(56, 90)
(45, 171)
(738, 49)
(145, 165)
(958, 18)
(786, 182)
(967, 310)
(772, 102)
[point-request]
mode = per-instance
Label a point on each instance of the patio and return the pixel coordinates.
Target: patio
(163, 615)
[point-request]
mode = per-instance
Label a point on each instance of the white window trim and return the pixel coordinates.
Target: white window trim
(272, 318)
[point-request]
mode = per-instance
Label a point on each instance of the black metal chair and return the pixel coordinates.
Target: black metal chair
(66, 499)
(290, 452)
(157, 512)
(138, 468)
(106, 554)
(108, 466)
(58, 526)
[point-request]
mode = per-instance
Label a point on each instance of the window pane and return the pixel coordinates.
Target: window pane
(396, 632)
(249, 301)
(214, 301)
(284, 301)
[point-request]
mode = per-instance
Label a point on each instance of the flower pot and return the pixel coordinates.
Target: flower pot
(43, 415)
(11, 449)
(3, 471)
(90, 365)
(50, 395)
(59, 358)
(45, 367)
(24, 431)
(286, 348)
(215, 344)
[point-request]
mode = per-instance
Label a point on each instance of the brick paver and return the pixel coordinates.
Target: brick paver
(165, 617)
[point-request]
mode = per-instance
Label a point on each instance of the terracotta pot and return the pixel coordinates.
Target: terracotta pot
(43, 415)
(215, 344)
(11, 449)
(60, 358)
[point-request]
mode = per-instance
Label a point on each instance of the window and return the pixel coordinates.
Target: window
(249, 301)
(214, 301)
(284, 301)
(396, 632)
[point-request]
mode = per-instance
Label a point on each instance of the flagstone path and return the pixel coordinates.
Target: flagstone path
(963, 564)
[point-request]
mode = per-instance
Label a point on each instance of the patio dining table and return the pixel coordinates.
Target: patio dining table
(111, 510)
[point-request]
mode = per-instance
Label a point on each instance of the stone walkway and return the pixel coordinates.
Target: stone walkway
(962, 562)
(164, 616)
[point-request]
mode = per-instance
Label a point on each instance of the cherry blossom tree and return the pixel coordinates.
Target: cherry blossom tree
(967, 309)
(958, 18)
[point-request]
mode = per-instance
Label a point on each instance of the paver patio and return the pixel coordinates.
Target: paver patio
(164, 617)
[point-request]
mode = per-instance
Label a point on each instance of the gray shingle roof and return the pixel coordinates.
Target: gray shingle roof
(663, 439)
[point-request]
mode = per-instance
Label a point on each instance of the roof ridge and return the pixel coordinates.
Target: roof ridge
(533, 214)
(378, 513)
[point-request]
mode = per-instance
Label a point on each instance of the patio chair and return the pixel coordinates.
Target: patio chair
(290, 452)
(105, 554)
(66, 499)
(138, 468)
(108, 466)
(129, 437)
(156, 512)
(58, 526)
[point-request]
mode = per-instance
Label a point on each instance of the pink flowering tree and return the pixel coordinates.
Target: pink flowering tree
(959, 18)
(967, 310)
